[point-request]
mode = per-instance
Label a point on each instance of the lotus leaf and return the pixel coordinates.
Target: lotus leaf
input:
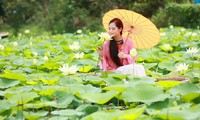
(11, 75)
(119, 88)
(144, 93)
(130, 114)
(173, 114)
(37, 105)
(6, 83)
(87, 108)
(184, 89)
(5, 105)
(22, 98)
(169, 65)
(99, 98)
(85, 69)
(19, 115)
(61, 99)
(34, 115)
(67, 112)
(16, 90)
(168, 84)
(94, 80)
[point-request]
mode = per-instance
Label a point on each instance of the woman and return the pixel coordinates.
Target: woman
(116, 53)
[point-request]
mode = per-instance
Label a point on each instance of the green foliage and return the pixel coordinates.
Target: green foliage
(185, 15)
(63, 16)
(32, 87)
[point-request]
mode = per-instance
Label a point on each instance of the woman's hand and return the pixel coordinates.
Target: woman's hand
(122, 55)
(100, 51)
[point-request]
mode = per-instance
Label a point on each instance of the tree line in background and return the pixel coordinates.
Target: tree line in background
(60, 16)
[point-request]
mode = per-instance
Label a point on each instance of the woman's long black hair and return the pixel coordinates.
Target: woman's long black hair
(113, 47)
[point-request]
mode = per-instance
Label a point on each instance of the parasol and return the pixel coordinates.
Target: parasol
(140, 29)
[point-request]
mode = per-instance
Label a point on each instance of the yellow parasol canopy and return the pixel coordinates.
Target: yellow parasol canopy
(140, 29)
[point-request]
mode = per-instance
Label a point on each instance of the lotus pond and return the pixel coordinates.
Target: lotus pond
(56, 77)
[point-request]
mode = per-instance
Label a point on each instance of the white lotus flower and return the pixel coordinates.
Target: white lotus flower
(30, 43)
(35, 54)
(182, 29)
(104, 36)
(27, 31)
(192, 50)
(194, 34)
(19, 35)
(67, 70)
(166, 47)
(79, 55)
(125, 81)
(188, 34)
(163, 34)
(79, 31)
(46, 58)
(133, 52)
(171, 26)
(15, 44)
(75, 46)
(2, 47)
(182, 67)
(34, 61)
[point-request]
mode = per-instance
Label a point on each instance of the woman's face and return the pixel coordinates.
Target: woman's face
(114, 30)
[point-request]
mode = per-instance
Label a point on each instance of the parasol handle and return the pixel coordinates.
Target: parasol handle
(129, 32)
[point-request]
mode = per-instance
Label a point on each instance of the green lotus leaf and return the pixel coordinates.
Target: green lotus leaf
(160, 105)
(113, 81)
(36, 105)
(34, 115)
(102, 115)
(141, 80)
(145, 93)
(87, 108)
(19, 115)
(5, 105)
(62, 99)
(168, 84)
(130, 114)
(52, 81)
(119, 88)
(69, 80)
(47, 92)
(95, 80)
(99, 98)
(11, 75)
(86, 68)
(22, 98)
(3, 64)
(50, 65)
(169, 65)
(149, 65)
(15, 90)
(2, 117)
(18, 61)
(67, 112)
(6, 83)
(120, 76)
(190, 96)
(80, 88)
(28, 70)
(184, 89)
(28, 62)
(176, 114)
(56, 117)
